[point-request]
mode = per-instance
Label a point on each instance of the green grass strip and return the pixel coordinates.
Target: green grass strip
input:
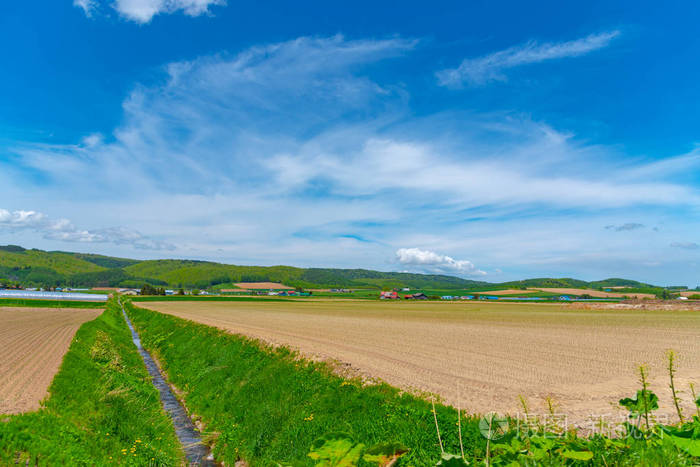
(102, 407)
(27, 302)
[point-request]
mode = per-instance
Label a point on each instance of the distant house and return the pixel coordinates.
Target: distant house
(419, 296)
(388, 295)
(130, 291)
(682, 298)
(405, 289)
(447, 297)
(565, 297)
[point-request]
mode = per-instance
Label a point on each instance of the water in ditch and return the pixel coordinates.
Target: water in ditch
(197, 452)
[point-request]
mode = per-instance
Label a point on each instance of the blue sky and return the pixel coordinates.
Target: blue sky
(489, 140)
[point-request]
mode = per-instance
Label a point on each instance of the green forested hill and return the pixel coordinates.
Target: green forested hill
(62, 263)
(60, 268)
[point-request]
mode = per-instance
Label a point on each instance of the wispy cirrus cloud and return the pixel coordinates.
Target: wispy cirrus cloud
(685, 245)
(625, 227)
(289, 119)
(492, 67)
(426, 260)
(88, 6)
(143, 11)
(295, 153)
(64, 230)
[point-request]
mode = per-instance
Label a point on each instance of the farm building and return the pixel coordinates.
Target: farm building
(389, 295)
(416, 296)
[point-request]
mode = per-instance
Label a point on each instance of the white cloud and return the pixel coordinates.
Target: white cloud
(143, 11)
(472, 174)
(278, 121)
(88, 6)
(430, 261)
(92, 140)
(481, 70)
(64, 230)
(679, 167)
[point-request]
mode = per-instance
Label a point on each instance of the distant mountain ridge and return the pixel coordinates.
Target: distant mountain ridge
(60, 268)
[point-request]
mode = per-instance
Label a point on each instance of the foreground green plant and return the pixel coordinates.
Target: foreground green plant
(533, 442)
(672, 385)
(340, 449)
(642, 405)
(102, 407)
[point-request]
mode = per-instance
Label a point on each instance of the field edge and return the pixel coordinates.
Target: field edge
(101, 407)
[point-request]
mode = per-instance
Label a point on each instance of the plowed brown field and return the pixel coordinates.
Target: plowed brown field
(482, 356)
(32, 344)
(593, 293)
(507, 292)
(262, 285)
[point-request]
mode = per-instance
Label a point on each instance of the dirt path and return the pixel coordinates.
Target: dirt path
(483, 356)
(33, 342)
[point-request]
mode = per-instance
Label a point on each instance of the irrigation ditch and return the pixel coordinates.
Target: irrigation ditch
(190, 438)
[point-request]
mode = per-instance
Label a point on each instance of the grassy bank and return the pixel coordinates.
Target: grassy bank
(266, 405)
(49, 303)
(102, 408)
